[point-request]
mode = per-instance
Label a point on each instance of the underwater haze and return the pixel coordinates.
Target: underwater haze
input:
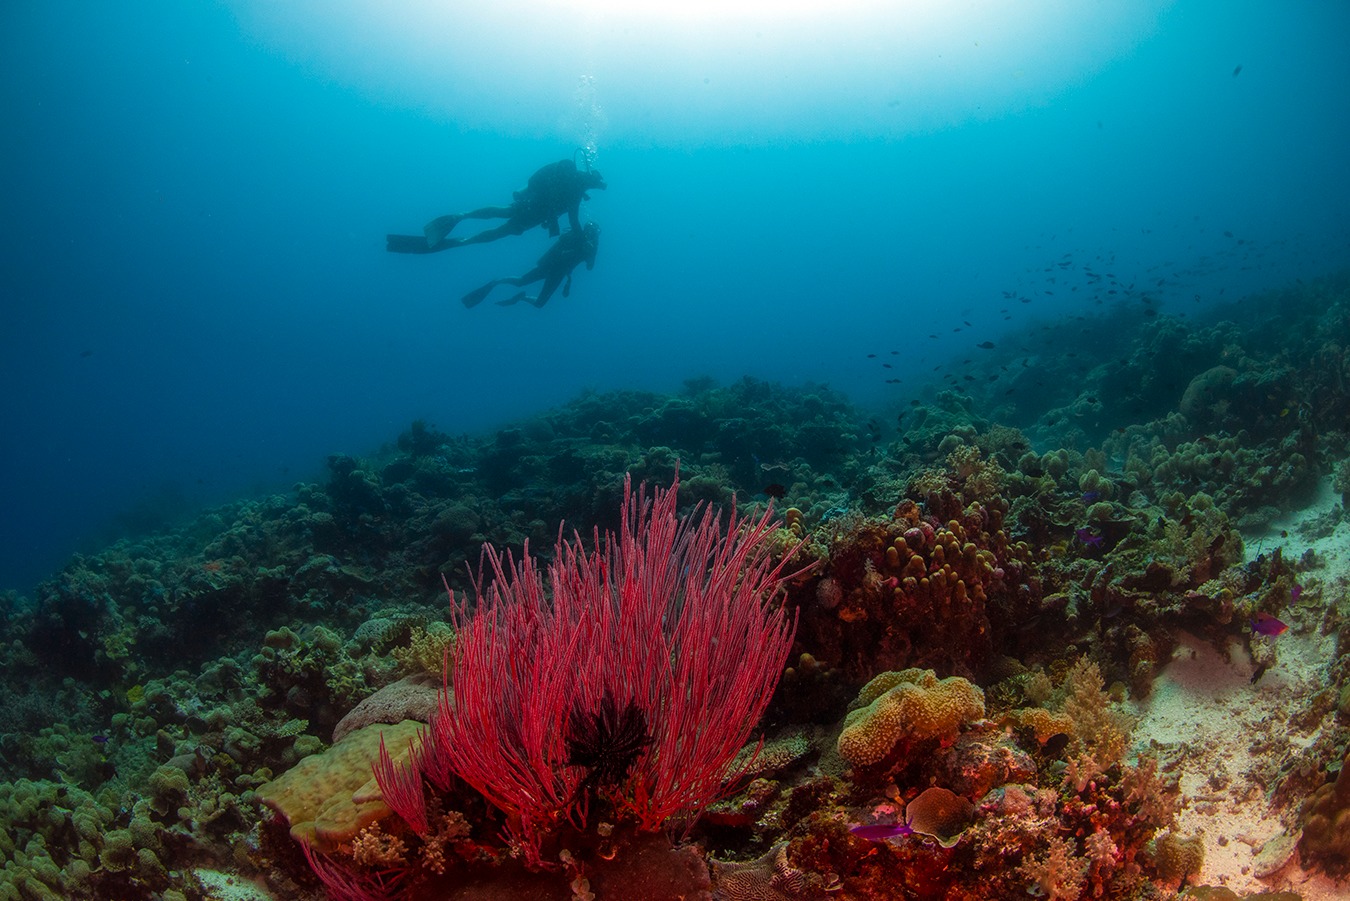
(196, 302)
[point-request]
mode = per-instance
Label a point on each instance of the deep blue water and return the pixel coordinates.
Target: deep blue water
(195, 300)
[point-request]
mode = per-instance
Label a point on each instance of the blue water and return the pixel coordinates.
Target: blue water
(196, 304)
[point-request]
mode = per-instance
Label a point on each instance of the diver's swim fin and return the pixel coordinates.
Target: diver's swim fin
(477, 295)
(438, 228)
(408, 244)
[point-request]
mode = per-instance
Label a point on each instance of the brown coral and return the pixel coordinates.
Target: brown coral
(920, 589)
(1326, 826)
(1177, 857)
(771, 877)
(411, 698)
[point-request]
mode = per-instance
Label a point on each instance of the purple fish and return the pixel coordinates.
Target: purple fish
(1295, 592)
(879, 832)
(1088, 538)
(1089, 497)
(1265, 624)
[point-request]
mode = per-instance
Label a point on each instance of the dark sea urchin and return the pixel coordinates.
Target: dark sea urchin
(606, 741)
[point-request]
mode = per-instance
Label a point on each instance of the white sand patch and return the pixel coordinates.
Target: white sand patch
(1218, 732)
(219, 886)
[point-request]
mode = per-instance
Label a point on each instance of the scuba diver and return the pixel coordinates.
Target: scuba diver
(553, 190)
(577, 245)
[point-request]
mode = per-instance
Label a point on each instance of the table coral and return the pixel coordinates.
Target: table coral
(910, 705)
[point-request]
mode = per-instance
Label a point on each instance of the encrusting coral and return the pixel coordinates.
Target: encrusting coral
(316, 795)
(410, 698)
(911, 705)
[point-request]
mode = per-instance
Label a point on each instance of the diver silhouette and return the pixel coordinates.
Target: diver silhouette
(553, 190)
(554, 268)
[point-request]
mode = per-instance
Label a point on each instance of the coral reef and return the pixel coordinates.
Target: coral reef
(977, 595)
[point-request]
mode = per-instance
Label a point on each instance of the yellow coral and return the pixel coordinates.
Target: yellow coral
(318, 796)
(1044, 723)
(427, 650)
(1177, 857)
(912, 704)
(1102, 731)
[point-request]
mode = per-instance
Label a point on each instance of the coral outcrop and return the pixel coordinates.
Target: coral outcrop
(316, 796)
(1326, 823)
(907, 707)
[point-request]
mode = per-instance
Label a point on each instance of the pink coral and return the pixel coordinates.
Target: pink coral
(672, 616)
(401, 788)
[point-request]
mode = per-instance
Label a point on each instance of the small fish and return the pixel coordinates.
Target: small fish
(1295, 592)
(1237, 70)
(881, 832)
(1265, 624)
(775, 490)
(986, 345)
(100, 739)
(1090, 497)
(1088, 538)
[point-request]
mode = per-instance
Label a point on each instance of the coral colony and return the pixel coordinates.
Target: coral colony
(833, 659)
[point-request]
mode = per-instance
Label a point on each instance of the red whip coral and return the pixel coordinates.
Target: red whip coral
(401, 788)
(660, 644)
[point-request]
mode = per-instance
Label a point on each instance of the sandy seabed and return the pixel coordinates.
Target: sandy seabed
(1217, 731)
